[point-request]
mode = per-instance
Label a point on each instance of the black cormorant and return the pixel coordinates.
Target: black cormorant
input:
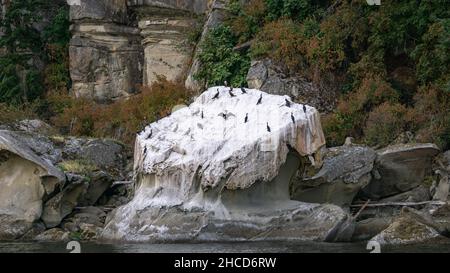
(288, 103)
(292, 117)
(243, 90)
(260, 100)
(246, 118)
(268, 127)
(150, 135)
(216, 96)
(304, 108)
(231, 92)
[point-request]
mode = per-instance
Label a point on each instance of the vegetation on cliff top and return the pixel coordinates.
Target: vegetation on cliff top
(393, 60)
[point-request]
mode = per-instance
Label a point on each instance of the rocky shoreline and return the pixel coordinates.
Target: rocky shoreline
(58, 188)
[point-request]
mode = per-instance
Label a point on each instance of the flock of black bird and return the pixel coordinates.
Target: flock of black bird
(230, 92)
(225, 116)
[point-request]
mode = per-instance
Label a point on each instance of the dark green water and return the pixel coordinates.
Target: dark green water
(241, 247)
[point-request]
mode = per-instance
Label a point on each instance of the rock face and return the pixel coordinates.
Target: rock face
(165, 26)
(269, 77)
(117, 45)
(206, 174)
(25, 179)
(344, 172)
(35, 191)
(401, 168)
(106, 56)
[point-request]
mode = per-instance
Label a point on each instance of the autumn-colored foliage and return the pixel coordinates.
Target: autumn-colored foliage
(120, 120)
(384, 123)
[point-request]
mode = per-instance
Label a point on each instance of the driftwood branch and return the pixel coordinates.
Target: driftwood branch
(408, 204)
(122, 183)
(361, 209)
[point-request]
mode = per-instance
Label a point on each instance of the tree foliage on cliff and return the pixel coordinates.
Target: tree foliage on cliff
(394, 60)
(27, 49)
(219, 62)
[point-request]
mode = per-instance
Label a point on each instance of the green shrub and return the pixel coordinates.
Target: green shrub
(219, 62)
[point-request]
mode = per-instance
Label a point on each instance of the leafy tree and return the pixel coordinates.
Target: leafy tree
(219, 62)
(28, 49)
(20, 80)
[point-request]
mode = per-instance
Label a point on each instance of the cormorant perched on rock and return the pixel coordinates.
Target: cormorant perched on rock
(293, 118)
(246, 118)
(260, 100)
(145, 150)
(226, 114)
(243, 90)
(150, 135)
(231, 92)
(216, 96)
(304, 108)
(288, 103)
(268, 128)
(202, 114)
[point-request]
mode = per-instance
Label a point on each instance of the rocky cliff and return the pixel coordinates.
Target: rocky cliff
(106, 56)
(118, 45)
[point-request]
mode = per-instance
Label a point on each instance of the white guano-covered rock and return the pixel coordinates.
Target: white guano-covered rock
(216, 147)
(204, 173)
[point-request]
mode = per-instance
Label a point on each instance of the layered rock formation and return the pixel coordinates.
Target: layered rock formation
(164, 28)
(220, 170)
(118, 45)
(106, 56)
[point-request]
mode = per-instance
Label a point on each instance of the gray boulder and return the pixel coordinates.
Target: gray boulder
(368, 228)
(25, 181)
(442, 216)
(63, 204)
(99, 182)
(53, 235)
(410, 227)
(34, 126)
(272, 78)
(106, 154)
(418, 194)
(86, 222)
(401, 168)
(345, 170)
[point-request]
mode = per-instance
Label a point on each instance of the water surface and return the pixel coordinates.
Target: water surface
(237, 247)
